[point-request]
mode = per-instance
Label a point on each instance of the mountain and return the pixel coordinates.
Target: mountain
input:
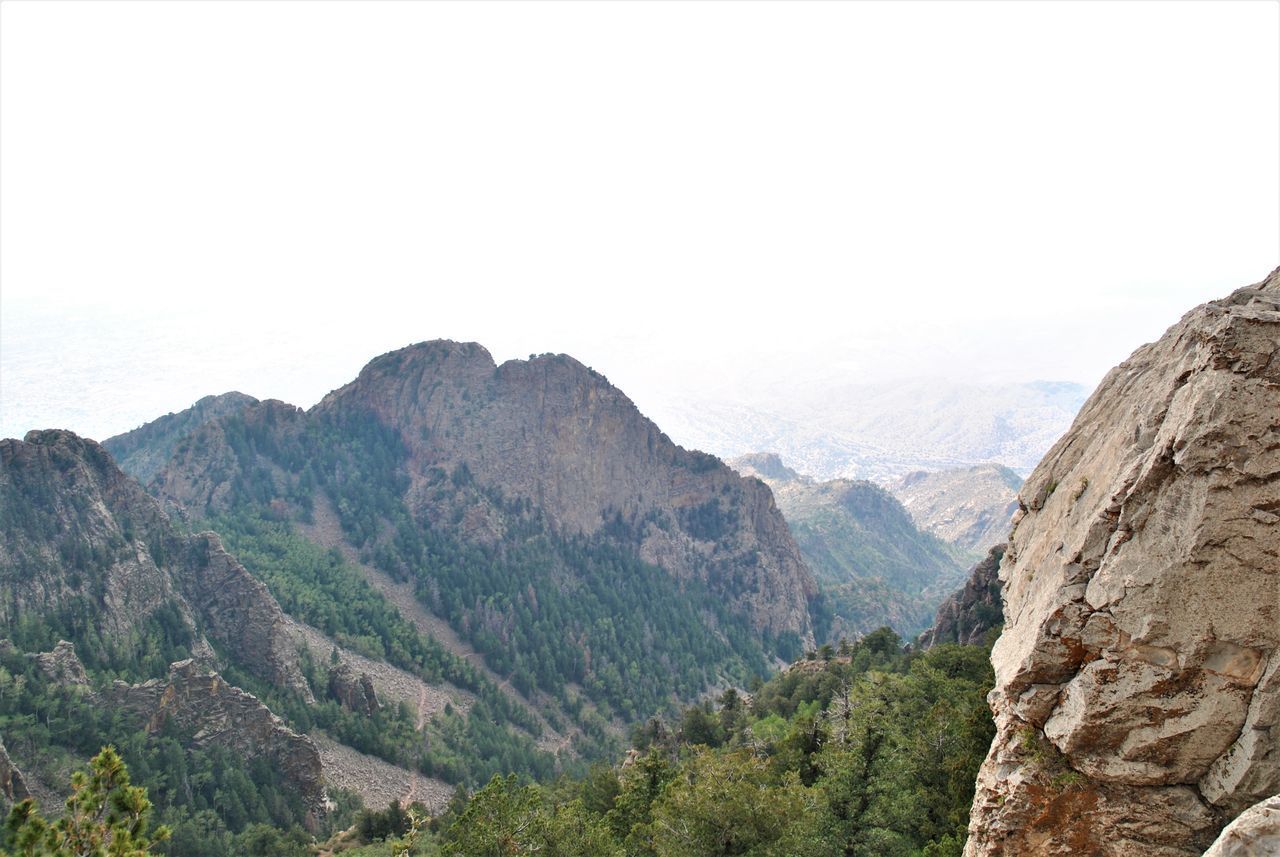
(970, 507)
(527, 509)
(831, 429)
(144, 451)
(873, 565)
(87, 556)
(1137, 693)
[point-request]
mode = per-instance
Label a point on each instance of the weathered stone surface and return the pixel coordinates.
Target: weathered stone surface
(76, 531)
(1142, 603)
(353, 692)
(212, 713)
(1254, 833)
(968, 615)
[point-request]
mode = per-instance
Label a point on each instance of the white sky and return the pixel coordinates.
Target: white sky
(196, 197)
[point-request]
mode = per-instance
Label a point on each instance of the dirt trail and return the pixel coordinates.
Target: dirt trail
(326, 531)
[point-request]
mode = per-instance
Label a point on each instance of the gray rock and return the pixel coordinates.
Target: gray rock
(1142, 605)
(1254, 833)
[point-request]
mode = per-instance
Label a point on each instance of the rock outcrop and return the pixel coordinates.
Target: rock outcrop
(970, 614)
(1254, 833)
(77, 535)
(970, 506)
(211, 713)
(13, 787)
(62, 665)
(353, 692)
(1137, 692)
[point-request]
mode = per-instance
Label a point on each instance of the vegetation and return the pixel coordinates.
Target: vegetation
(583, 620)
(870, 752)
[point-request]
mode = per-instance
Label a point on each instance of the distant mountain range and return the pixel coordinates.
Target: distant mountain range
(971, 507)
(880, 431)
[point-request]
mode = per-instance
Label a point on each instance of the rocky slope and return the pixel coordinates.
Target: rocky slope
(554, 432)
(874, 566)
(970, 507)
(202, 704)
(143, 452)
(1138, 675)
(79, 537)
(967, 616)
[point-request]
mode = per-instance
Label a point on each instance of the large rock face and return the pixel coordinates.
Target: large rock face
(78, 536)
(1138, 676)
(559, 434)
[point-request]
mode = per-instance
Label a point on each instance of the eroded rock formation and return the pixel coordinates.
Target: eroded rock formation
(213, 713)
(1138, 675)
(78, 535)
(13, 787)
(968, 615)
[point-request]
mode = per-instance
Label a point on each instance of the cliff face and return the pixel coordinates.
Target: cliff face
(554, 432)
(1138, 679)
(966, 616)
(78, 536)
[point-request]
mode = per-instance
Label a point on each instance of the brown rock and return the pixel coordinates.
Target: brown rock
(211, 713)
(353, 692)
(1142, 614)
(1254, 833)
(969, 614)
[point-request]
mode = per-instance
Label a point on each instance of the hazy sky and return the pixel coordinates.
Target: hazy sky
(691, 197)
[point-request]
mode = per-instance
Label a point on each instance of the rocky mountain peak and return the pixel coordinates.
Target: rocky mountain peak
(1138, 675)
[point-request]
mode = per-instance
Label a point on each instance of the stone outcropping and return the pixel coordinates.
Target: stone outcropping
(970, 614)
(353, 692)
(1137, 692)
(62, 665)
(201, 704)
(13, 787)
(76, 531)
(1254, 833)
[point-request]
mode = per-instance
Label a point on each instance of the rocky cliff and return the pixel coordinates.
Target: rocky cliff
(1138, 675)
(557, 433)
(79, 538)
(967, 616)
(200, 704)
